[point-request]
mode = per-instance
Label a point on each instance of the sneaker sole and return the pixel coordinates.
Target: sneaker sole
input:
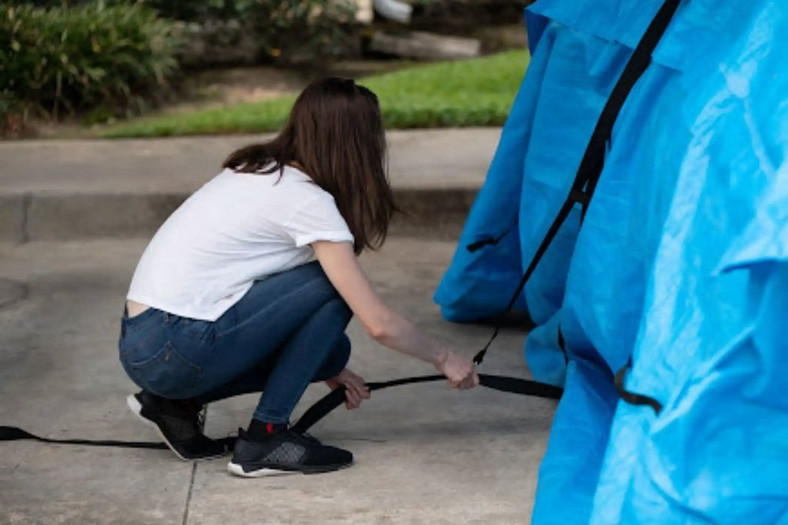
(238, 470)
(136, 407)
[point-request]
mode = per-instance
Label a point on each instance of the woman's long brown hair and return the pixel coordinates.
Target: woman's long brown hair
(335, 135)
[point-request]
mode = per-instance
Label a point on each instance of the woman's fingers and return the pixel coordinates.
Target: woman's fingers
(363, 392)
(355, 394)
(459, 371)
(355, 383)
(349, 399)
(359, 386)
(353, 400)
(471, 380)
(468, 381)
(355, 388)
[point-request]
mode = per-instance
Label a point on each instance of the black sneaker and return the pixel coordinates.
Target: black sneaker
(179, 423)
(285, 451)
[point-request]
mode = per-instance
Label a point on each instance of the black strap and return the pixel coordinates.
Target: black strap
(590, 168)
(315, 413)
(16, 433)
(634, 398)
(562, 215)
(562, 345)
(504, 384)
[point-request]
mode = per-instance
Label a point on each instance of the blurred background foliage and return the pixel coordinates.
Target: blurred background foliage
(115, 57)
(60, 59)
(197, 10)
(106, 59)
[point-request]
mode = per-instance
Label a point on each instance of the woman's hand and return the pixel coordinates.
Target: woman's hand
(355, 388)
(458, 370)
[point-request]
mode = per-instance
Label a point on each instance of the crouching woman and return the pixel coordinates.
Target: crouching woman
(250, 284)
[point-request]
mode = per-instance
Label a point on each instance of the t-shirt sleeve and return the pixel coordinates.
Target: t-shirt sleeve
(317, 219)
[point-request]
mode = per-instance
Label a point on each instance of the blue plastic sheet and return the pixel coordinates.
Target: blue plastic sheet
(681, 262)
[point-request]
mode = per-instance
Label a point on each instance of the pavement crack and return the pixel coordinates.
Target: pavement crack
(366, 440)
(185, 519)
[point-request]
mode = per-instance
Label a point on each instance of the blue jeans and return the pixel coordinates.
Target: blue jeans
(287, 331)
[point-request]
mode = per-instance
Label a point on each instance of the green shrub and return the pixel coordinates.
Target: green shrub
(84, 57)
(287, 30)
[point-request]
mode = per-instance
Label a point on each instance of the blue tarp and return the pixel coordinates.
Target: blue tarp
(681, 262)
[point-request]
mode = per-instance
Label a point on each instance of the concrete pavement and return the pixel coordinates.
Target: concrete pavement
(83, 189)
(74, 219)
(424, 453)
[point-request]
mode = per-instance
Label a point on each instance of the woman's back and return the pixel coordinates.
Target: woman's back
(236, 229)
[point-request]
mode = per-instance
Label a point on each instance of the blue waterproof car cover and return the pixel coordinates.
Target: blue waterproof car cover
(680, 265)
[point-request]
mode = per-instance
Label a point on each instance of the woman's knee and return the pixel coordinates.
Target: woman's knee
(338, 310)
(307, 282)
(296, 293)
(336, 361)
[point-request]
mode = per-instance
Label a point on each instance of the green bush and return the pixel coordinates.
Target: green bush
(84, 57)
(301, 30)
(290, 30)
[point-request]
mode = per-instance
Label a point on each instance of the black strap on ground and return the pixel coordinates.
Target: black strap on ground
(504, 384)
(315, 413)
(16, 433)
(594, 157)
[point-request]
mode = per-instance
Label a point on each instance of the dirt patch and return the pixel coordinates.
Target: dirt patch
(246, 84)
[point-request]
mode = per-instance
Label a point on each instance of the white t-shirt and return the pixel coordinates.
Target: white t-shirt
(236, 229)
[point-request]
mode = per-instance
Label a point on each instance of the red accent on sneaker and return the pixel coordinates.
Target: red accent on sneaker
(269, 427)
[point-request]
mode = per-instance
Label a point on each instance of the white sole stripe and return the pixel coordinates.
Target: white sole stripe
(238, 470)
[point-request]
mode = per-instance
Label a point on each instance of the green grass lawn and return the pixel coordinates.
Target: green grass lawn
(477, 92)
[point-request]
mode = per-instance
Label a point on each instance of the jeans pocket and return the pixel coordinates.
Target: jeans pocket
(141, 331)
(165, 372)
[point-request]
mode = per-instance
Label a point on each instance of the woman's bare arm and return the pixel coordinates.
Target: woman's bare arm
(384, 324)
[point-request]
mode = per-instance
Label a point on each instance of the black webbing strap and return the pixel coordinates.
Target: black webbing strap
(634, 398)
(562, 345)
(562, 215)
(594, 157)
(315, 413)
(505, 384)
(16, 433)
